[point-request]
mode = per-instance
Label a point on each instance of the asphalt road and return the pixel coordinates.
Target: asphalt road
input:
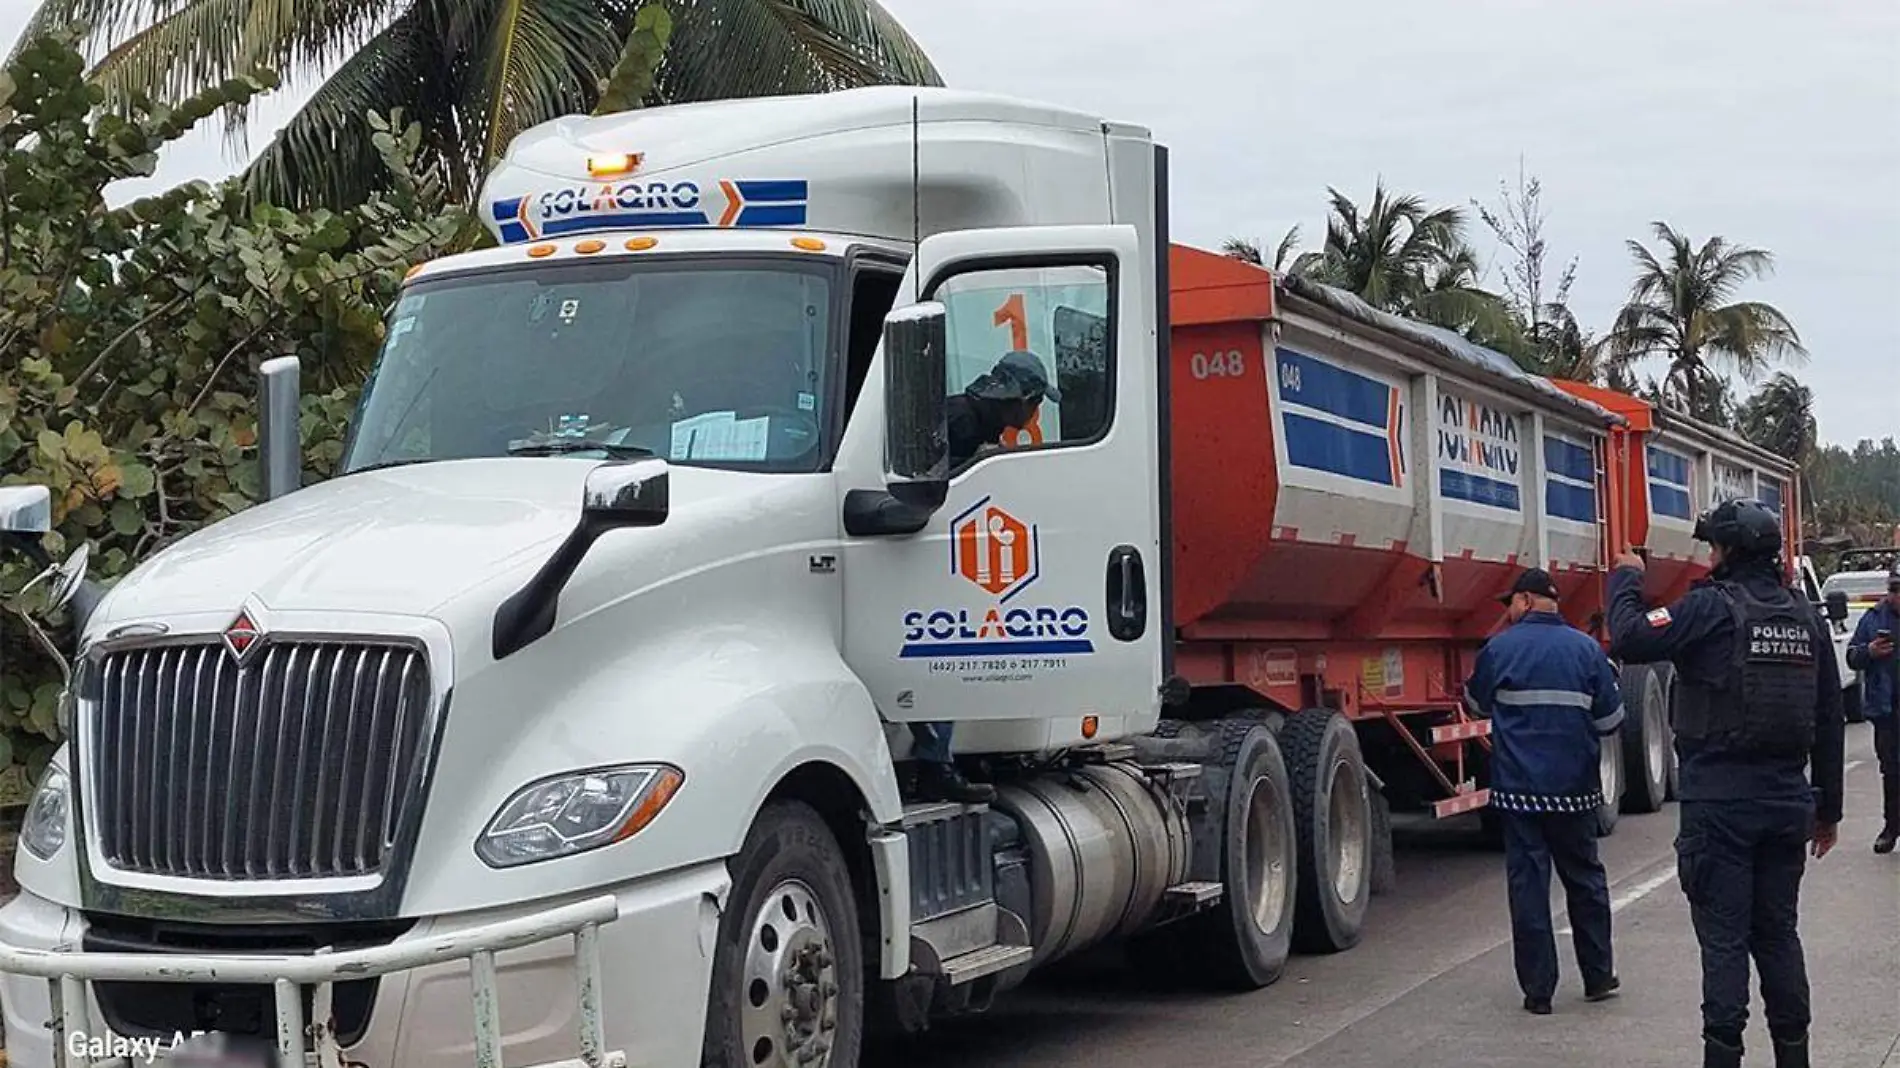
(1431, 985)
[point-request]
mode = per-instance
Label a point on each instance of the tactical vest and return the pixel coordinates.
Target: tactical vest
(1764, 704)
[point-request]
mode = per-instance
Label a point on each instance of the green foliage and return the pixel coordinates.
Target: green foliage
(631, 81)
(1856, 492)
(130, 336)
(471, 73)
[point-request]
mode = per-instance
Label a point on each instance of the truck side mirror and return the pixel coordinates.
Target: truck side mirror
(629, 494)
(617, 494)
(916, 443)
(26, 510)
(1837, 606)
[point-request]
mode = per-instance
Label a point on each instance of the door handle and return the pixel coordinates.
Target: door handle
(1127, 594)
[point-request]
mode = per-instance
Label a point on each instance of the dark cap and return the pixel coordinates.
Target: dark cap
(1020, 375)
(1535, 581)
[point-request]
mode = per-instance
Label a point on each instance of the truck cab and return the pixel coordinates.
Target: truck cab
(644, 547)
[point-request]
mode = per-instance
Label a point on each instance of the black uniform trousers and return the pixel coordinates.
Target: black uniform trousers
(1533, 843)
(1887, 748)
(1741, 864)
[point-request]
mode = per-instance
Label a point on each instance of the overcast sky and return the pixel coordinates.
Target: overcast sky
(1772, 123)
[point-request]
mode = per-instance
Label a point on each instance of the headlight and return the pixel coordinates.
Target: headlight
(43, 832)
(574, 813)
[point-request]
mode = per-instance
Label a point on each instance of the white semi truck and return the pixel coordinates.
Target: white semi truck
(341, 756)
(581, 694)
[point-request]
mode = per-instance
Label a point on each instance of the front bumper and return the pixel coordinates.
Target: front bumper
(616, 979)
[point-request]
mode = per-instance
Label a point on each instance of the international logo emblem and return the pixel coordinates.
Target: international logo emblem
(243, 636)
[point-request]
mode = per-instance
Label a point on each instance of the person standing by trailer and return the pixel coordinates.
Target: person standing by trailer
(1758, 701)
(1871, 652)
(1551, 696)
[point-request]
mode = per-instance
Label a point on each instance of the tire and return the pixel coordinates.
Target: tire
(1644, 738)
(1385, 871)
(1333, 814)
(1243, 942)
(791, 910)
(1850, 704)
(1666, 674)
(1610, 776)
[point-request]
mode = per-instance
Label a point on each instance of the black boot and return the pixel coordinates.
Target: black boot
(1717, 1054)
(943, 782)
(1888, 836)
(1791, 1054)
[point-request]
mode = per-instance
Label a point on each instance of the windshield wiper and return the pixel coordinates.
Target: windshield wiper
(404, 462)
(564, 446)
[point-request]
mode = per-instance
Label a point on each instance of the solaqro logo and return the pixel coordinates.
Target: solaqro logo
(997, 555)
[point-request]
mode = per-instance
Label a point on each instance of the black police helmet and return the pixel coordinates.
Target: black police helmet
(1743, 526)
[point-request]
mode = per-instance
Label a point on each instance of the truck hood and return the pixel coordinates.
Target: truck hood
(402, 540)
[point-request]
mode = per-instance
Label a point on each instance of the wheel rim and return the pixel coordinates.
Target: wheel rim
(789, 1011)
(1655, 740)
(1267, 850)
(1346, 814)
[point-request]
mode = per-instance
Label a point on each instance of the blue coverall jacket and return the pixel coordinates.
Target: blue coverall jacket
(1551, 695)
(1879, 679)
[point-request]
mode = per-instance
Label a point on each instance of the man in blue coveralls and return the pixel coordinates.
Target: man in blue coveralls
(1871, 652)
(1758, 697)
(1551, 696)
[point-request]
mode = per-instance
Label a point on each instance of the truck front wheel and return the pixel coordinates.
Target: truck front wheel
(788, 976)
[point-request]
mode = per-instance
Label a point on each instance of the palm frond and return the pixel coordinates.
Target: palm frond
(1283, 253)
(1241, 249)
(323, 154)
(540, 59)
(742, 48)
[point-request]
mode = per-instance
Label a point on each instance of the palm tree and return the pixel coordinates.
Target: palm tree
(1680, 309)
(1780, 418)
(473, 73)
(1248, 251)
(1402, 256)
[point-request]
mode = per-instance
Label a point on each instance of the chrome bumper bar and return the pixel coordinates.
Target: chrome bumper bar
(301, 1044)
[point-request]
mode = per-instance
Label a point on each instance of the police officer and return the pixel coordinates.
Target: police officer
(1757, 700)
(1871, 652)
(1551, 696)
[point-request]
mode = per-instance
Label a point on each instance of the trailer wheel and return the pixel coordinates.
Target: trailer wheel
(1645, 739)
(788, 977)
(1333, 810)
(1385, 871)
(1666, 675)
(1610, 779)
(1243, 942)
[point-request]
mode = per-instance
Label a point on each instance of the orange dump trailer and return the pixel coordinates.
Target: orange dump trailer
(1352, 491)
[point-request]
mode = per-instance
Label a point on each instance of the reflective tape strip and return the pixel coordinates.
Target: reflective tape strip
(1567, 698)
(1610, 722)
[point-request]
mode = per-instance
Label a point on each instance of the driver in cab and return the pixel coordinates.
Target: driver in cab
(1003, 399)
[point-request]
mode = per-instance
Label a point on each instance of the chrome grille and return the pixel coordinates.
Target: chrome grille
(304, 762)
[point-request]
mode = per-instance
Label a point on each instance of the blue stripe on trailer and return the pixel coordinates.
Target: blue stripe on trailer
(1323, 446)
(1476, 489)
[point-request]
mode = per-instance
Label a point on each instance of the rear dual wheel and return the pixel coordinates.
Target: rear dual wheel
(1243, 942)
(1332, 803)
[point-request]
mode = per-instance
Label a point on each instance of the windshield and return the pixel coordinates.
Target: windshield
(722, 365)
(1872, 585)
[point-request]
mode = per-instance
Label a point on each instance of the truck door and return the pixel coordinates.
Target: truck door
(1032, 592)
